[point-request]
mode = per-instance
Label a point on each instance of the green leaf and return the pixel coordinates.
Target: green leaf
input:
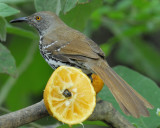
(6, 10)
(57, 5)
(78, 16)
(146, 87)
(48, 5)
(122, 5)
(85, 124)
(142, 55)
(7, 62)
(69, 4)
(21, 32)
(14, 1)
(98, 123)
(67, 126)
(83, 1)
(79, 13)
(2, 29)
(31, 82)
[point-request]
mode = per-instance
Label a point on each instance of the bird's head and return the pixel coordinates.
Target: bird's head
(42, 21)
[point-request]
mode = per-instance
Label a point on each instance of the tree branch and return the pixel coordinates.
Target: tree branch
(23, 116)
(104, 111)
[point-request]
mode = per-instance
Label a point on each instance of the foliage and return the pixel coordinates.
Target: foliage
(81, 13)
(6, 10)
(130, 21)
(60, 5)
(145, 87)
(133, 27)
(7, 62)
(2, 29)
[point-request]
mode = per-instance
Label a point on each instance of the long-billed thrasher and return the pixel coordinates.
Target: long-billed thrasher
(62, 45)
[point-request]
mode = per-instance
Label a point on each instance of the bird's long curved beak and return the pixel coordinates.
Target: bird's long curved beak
(21, 19)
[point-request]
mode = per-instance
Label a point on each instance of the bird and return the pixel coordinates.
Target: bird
(60, 45)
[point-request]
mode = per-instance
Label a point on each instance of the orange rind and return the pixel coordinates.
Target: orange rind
(69, 95)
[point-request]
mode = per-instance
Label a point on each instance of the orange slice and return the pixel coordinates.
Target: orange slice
(97, 83)
(69, 95)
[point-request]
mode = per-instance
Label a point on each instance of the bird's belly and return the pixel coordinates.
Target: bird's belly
(55, 63)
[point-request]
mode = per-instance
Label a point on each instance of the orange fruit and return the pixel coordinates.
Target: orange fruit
(69, 95)
(97, 83)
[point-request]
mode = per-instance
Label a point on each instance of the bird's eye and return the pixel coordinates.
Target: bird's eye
(38, 18)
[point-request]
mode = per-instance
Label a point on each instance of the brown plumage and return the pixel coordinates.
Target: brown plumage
(62, 45)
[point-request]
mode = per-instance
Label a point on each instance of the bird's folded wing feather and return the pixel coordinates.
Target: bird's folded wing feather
(74, 45)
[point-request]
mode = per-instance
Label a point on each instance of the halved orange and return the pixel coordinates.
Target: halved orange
(97, 83)
(69, 95)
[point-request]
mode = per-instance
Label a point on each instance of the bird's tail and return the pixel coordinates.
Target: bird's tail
(129, 100)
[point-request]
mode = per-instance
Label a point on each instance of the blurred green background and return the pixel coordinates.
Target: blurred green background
(128, 31)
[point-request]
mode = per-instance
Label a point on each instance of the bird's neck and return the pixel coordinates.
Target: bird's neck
(44, 33)
(52, 29)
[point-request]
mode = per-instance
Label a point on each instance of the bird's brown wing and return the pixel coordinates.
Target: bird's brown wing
(95, 47)
(74, 44)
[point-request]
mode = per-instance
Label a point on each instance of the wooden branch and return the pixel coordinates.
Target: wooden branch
(23, 116)
(104, 111)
